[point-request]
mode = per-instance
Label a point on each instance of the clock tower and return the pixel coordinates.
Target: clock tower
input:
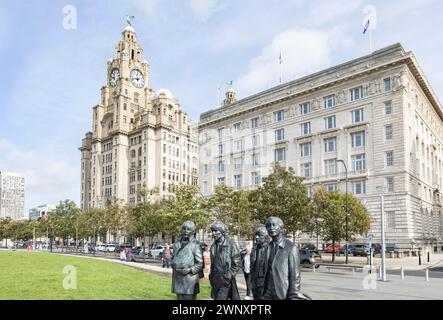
(140, 138)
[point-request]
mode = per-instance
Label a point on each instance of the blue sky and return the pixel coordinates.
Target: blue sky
(51, 77)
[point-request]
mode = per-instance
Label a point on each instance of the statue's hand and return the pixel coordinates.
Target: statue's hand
(184, 271)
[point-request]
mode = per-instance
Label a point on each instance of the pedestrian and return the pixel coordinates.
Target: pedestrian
(166, 257)
(123, 255)
(246, 266)
(206, 258)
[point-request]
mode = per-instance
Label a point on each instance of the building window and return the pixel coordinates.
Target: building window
(255, 178)
(331, 167)
(255, 160)
(390, 219)
(357, 93)
(357, 116)
(305, 149)
(331, 187)
(206, 169)
(389, 132)
(358, 139)
(237, 180)
(358, 162)
(305, 108)
(237, 127)
(305, 128)
(221, 149)
(390, 158)
(388, 107)
(330, 122)
(255, 123)
(255, 140)
(279, 115)
(237, 163)
(359, 187)
(305, 170)
(390, 184)
(221, 166)
(222, 181)
(220, 133)
(329, 101)
(238, 145)
(279, 134)
(388, 84)
(331, 144)
(280, 154)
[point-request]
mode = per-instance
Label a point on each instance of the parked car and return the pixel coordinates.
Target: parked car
(100, 247)
(361, 250)
(156, 251)
(351, 249)
(110, 248)
(308, 246)
(308, 258)
(330, 249)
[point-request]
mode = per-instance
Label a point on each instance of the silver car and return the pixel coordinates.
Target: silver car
(309, 258)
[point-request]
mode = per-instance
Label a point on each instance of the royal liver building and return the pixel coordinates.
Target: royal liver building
(140, 137)
(378, 114)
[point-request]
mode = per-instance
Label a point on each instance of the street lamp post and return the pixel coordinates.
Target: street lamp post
(382, 224)
(346, 209)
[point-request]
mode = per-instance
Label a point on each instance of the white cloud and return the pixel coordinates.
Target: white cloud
(304, 51)
(204, 8)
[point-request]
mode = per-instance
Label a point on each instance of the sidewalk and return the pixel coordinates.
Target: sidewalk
(409, 263)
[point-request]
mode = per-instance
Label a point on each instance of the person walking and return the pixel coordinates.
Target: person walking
(123, 255)
(167, 256)
(246, 266)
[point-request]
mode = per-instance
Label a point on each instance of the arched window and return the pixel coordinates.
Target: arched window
(132, 153)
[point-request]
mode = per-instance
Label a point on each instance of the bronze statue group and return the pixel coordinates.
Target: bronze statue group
(274, 265)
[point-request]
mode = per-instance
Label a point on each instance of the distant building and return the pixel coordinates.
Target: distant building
(12, 195)
(40, 211)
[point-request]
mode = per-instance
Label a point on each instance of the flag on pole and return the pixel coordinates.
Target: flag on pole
(230, 83)
(366, 27)
(280, 58)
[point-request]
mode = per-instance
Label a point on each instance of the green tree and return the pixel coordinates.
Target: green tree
(185, 204)
(283, 195)
(329, 209)
(234, 209)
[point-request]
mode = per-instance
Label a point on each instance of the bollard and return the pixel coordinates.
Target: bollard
(353, 272)
(313, 267)
(427, 275)
(429, 257)
(402, 273)
(419, 258)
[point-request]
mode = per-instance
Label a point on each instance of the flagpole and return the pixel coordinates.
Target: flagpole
(370, 40)
(281, 73)
(218, 96)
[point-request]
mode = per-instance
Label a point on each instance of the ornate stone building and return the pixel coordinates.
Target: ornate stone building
(140, 137)
(377, 113)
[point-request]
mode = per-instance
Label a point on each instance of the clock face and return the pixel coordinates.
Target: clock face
(114, 76)
(137, 78)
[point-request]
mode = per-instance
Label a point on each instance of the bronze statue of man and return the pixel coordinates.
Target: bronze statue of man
(186, 263)
(225, 264)
(282, 280)
(258, 262)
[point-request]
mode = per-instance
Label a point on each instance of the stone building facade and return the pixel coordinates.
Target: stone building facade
(140, 137)
(377, 113)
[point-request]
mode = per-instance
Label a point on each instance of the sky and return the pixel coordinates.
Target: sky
(53, 57)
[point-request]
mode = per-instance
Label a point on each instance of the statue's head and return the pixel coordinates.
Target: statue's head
(218, 229)
(188, 229)
(274, 226)
(261, 235)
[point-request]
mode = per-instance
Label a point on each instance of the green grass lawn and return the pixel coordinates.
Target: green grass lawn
(39, 276)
